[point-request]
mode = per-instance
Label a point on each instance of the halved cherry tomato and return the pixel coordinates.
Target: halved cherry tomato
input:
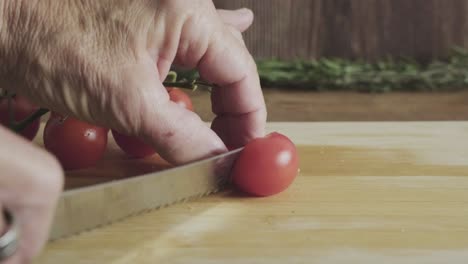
(22, 108)
(266, 166)
(133, 146)
(180, 97)
(76, 144)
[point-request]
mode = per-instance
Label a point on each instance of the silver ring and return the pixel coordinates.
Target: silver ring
(9, 240)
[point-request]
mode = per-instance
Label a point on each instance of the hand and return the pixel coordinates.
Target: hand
(104, 62)
(30, 183)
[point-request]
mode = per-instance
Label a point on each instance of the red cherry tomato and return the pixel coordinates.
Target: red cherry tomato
(266, 166)
(180, 97)
(133, 146)
(22, 109)
(76, 144)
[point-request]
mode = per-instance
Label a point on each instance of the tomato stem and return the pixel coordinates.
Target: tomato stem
(193, 85)
(19, 126)
(171, 77)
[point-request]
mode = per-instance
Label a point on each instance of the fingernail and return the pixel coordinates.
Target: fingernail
(244, 10)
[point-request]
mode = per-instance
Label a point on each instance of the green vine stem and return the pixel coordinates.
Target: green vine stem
(19, 126)
(193, 85)
(171, 77)
(190, 83)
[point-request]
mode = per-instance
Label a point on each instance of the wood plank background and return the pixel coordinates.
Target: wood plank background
(368, 29)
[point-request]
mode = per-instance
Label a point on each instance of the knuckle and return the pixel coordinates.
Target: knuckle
(199, 31)
(193, 41)
(262, 113)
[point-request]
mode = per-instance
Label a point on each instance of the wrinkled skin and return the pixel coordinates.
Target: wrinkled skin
(104, 62)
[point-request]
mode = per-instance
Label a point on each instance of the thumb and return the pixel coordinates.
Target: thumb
(178, 135)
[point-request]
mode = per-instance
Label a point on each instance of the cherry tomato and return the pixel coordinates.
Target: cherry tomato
(133, 146)
(180, 97)
(266, 166)
(76, 144)
(22, 109)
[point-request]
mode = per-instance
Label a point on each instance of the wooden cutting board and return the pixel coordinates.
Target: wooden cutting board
(367, 193)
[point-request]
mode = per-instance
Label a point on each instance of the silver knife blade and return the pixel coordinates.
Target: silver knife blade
(87, 208)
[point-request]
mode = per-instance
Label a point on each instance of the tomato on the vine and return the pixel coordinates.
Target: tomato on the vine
(76, 144)
(22, 108)
(133, 146)
(180, 97)
(266, 166)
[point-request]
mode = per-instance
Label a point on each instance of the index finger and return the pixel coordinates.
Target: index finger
(238, 102)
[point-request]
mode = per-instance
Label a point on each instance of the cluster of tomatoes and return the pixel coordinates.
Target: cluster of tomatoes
(266, 166)
(75, 143)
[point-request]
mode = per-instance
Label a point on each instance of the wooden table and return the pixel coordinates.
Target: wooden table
(366, 193)
(293, 105)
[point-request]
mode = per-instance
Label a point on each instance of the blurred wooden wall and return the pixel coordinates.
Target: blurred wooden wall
(354, 28)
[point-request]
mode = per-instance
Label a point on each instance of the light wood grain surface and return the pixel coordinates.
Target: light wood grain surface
(394, 192)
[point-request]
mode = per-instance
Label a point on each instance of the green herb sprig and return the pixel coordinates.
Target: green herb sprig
(386, 75)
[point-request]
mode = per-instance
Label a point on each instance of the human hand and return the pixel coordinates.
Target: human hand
(104, 62)
(30, 183)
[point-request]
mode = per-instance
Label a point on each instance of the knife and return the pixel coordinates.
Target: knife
(87, 208)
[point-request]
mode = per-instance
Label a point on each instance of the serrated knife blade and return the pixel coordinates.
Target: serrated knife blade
(87, 208)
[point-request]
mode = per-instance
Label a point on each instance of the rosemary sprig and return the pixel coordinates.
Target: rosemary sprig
(386, 75)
